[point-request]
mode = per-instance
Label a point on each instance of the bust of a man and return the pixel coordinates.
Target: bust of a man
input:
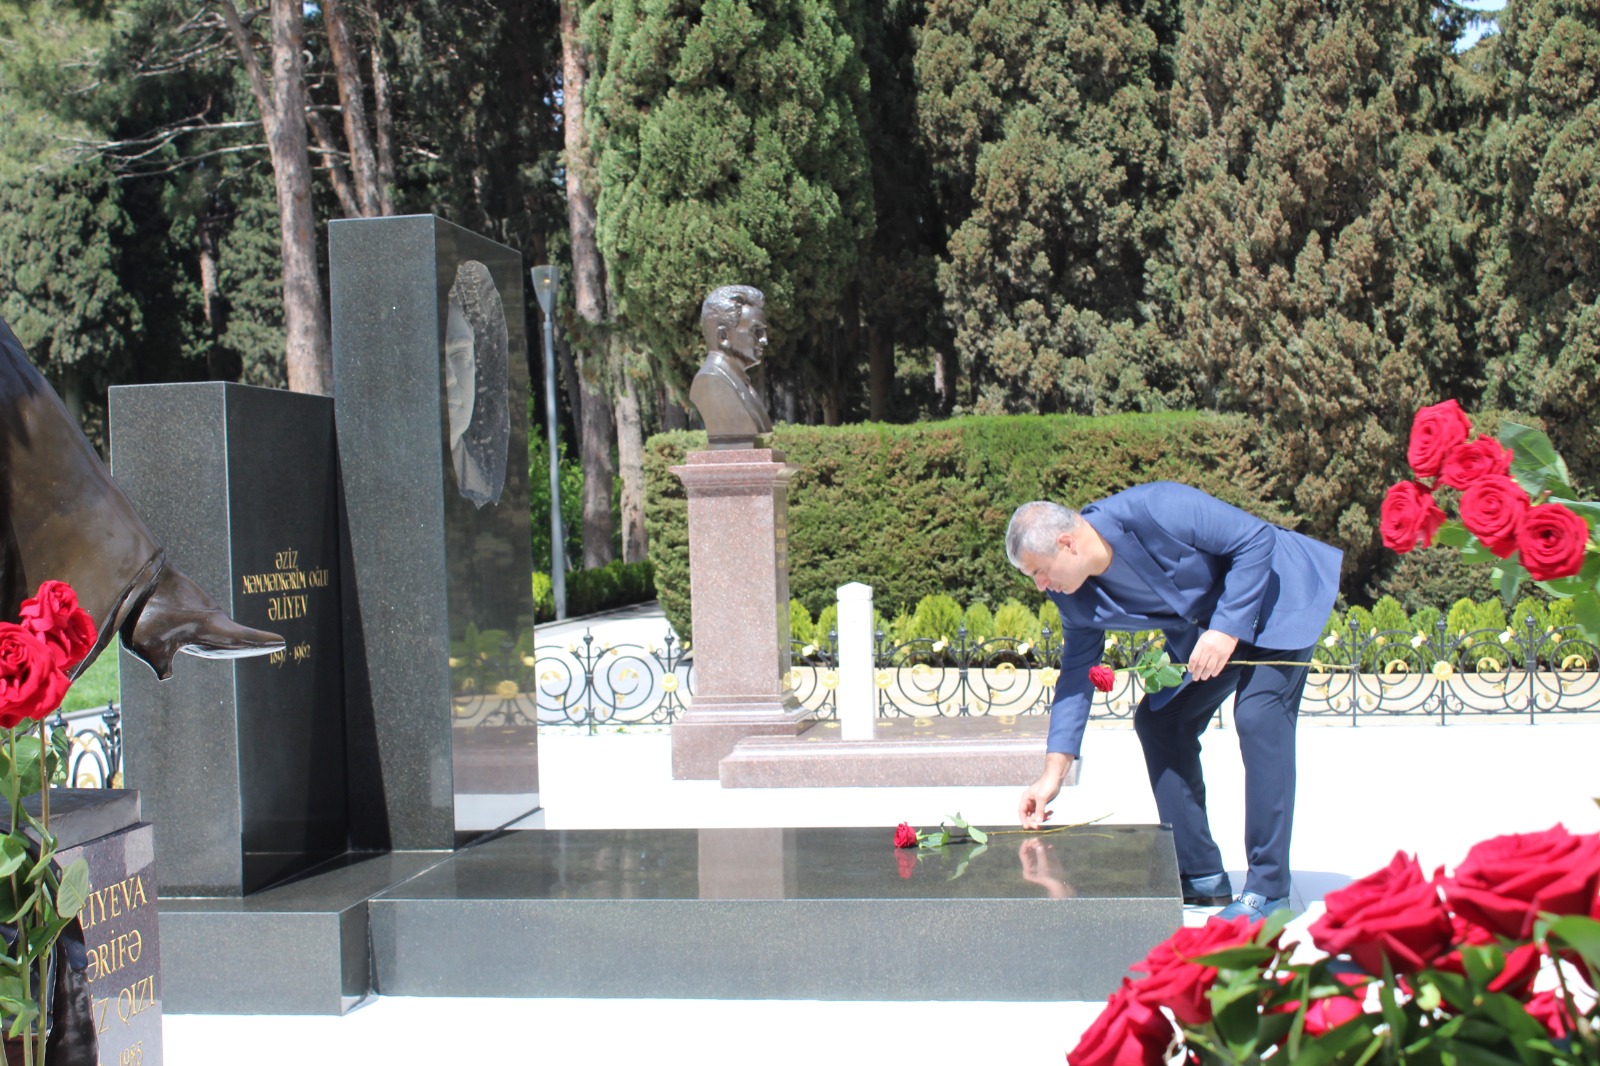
(735, 326)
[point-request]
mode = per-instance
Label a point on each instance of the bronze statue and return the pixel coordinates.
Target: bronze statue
(735, 326)
(65, 519)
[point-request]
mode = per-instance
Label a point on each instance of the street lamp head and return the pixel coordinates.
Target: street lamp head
(546, 280)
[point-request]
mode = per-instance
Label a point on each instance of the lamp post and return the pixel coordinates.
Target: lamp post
(545, 281)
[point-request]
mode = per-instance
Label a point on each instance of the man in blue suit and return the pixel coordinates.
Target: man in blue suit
(1223, 586)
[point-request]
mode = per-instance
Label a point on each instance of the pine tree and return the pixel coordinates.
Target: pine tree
(1316, 238)
(1045, 123)
(1541, 284)
(728, 140)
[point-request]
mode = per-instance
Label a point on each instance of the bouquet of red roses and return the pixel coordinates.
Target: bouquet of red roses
(1516, 505)
(1497, 963)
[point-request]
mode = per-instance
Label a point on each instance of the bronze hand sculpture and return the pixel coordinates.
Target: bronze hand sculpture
(64, 518)
(735, 324)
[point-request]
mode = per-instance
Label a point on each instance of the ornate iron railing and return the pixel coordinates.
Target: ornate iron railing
(94, 755)
(1359, 676)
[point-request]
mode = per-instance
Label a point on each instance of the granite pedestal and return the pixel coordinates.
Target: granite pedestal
(121, 928)
(430, 376)
(739, 581)
(241, 762)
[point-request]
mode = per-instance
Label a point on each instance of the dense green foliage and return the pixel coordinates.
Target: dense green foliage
(729, 147)
(922, 509)
(617, 584)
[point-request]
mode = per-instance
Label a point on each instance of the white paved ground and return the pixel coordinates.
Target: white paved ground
(1364, 793)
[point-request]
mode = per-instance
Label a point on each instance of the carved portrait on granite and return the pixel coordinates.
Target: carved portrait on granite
(477, 404)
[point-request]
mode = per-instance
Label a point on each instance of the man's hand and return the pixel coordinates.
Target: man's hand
(1211, 653)
(1033, 809)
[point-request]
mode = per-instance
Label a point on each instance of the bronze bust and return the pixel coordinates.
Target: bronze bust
(735, 325)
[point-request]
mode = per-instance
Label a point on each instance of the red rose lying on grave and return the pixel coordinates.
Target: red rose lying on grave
(1551, 540)
(1102, 677)
(1409, 517)
(905, 836)
(1522, 962)
(1505, 882)
(1174, 980)
(1393, 914)
(1127, 1033)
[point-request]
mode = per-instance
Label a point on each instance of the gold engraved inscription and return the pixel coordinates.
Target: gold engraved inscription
(289, 588)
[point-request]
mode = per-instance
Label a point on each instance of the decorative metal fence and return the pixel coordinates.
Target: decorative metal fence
(94, 753)
(1390, 674)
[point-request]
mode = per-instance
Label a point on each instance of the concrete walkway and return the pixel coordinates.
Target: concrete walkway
(1363, 794)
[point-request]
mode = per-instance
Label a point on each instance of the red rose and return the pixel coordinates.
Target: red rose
(53, 615)
(1522, 962)
(1102, 677)
(1331, 1012)
(1505, 882)
(905, 836)
(1175, 981)
(1476, 459)
(1394, 913)
(1409, 516)
(31, 684)
(1434, 433)
(1549, 1009)
(1492, 510)
(1127, 1033)
(1552, 540)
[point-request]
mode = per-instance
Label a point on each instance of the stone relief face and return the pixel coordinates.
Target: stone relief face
(460, 372)
(748, 339)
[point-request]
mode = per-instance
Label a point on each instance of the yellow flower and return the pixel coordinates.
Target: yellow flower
(506, 690)
(1443, 671)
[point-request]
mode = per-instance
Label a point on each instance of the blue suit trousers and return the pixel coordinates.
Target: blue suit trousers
(1266, 706)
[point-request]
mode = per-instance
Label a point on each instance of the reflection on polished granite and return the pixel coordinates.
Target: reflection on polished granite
(779, 913)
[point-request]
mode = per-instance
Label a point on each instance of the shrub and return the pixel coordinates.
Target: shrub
(979, 622)
(616, 584)
(920, 509)
(1015, 621)
(937, 618)
(544, 598)
(800, 624)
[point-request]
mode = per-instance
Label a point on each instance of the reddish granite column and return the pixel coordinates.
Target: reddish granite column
(739, 579)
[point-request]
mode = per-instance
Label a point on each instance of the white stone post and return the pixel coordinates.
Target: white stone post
(858, 709)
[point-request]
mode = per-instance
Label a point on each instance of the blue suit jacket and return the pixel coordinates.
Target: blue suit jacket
(1215, 566)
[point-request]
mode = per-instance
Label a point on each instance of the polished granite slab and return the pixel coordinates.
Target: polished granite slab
(779, 913)
(298, 948)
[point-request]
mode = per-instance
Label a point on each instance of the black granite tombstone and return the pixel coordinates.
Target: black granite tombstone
(430, 375)
(241, 762)
(121, 930)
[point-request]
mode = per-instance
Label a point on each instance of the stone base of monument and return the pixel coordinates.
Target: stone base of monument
(998, 750)
(711, 729)
(829, 914)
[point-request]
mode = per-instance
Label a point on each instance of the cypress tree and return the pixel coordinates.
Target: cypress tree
(1316, 247)
(728, 141)
(1045, 123)
(1541, 284)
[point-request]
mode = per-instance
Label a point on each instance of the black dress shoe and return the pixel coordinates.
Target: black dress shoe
(179, 616)
(1212, 890)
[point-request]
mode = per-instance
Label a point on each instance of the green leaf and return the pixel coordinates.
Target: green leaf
(961, 867)
(73, 892)
(978, 834)
(1534, 461)
(1244, 956)
(1510, 578)
(1475, 554)
(1580, 934)
(1586, 608)
(1452, 535)
(13, 853)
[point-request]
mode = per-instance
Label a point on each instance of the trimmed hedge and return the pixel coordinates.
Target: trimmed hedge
(617, 584)
(920, 509)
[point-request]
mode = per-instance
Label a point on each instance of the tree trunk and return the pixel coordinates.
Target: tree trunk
(589, 298)
(343, 191)
(599, 471)
(220, 365)
(630, 460)
(352, 102)
(880, 370)
(283, 104)
(382, 117)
